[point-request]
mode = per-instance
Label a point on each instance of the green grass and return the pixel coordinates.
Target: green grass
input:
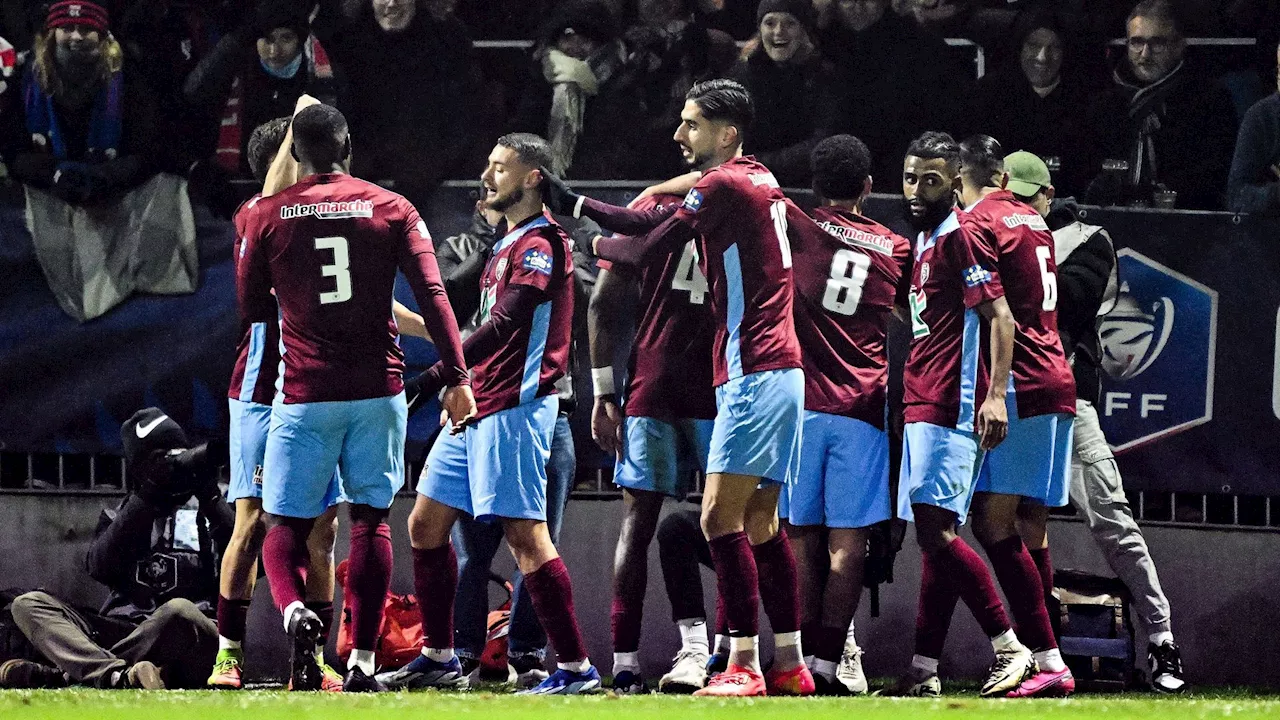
(82, 704)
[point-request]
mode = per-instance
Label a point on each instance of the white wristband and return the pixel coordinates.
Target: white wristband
(602, 381)
(577, 207)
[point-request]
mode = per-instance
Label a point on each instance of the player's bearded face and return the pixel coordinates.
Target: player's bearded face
(503, 180)
(698, 137)
(928, 190)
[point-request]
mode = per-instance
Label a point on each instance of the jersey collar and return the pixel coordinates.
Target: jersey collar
(923, 242)
(518, 231)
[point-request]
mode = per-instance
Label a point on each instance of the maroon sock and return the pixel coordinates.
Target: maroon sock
(435, 582)
(1045, 565)
(232, 615)
(552, 596)
(722, 616)
(938, 599)
(285, 557)
(1022, 585)
(368, 579)
(776, 569)
(324, 611)
(828, 644)
(737, 582)
(967, 573)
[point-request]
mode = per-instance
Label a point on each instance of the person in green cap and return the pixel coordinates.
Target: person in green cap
(1087, 290)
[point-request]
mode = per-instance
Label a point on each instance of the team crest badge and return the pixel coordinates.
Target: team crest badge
(924, 273)
(500, 268)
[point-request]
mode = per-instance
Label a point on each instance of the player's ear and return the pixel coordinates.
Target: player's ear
(866, 187)
(346, 147)
(1004, 180)
(293, 152)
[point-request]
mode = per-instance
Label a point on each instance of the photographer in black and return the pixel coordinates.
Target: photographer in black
(158, 553)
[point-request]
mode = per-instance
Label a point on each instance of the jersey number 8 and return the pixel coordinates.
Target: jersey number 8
(844, 286)
(339, 269)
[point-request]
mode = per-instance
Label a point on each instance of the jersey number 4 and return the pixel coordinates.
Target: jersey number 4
(689, 276)
(339, 269)
(844, 286)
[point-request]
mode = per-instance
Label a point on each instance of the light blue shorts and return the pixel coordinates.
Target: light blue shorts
(1034, 460)
(498, 467)
(250, 422)
(364, 439)
(759, 424)
(660, 456)
(844, 474)
(939, 467)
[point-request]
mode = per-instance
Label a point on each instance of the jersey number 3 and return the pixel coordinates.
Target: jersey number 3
(689, 276)
(844, 286)
(339, 269)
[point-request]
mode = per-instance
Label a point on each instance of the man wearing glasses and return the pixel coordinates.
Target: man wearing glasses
(1163, 135)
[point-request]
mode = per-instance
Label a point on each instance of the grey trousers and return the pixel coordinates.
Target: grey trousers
(177, 637)
(1098, 494)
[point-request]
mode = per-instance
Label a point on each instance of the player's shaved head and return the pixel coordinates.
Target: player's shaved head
(264, 143)
(724, 101)
(531, 149)
(320, 136)
(981, 161)
(840, 164)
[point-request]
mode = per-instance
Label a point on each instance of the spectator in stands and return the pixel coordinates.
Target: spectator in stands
(159, 556)
(793, 86)
(1035, 103)
(408, 85)
(80, 131)
(584, 96)
(257, 73)
(1164, 125)
(673, 48)
(900, 80)
(1254, 183)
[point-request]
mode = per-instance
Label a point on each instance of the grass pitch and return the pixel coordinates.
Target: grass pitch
(82, 704)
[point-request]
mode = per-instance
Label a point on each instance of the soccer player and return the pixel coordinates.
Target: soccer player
(661, 433)
(1034, 461)
(329, 246)
(740, 215)
(1087, 288)
(497, 469)
(954, 409)
(847, 279)
(252, 388)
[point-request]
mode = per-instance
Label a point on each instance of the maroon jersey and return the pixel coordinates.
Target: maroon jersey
(946, 375)
(741, 215)
(847, 281)
(253, 379)
(330, 246)
(535, 356)
(669, 374)
(1042, 379)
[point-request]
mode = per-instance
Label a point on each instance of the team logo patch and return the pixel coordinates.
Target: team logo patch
(500, 268)
(422, 230)
(693, 201)
(537, 261)
(924, 273)
(976, 275)
(1158, 348)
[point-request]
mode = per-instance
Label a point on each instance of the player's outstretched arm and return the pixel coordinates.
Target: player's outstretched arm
(664, 239)
(561, 199)
(284, 169)
(678, 186)
(409, 322)
(993, 418)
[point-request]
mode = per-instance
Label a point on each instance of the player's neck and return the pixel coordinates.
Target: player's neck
(970, 195)
(722, 159)
(520, 213)
(853, 206)
(307, 169)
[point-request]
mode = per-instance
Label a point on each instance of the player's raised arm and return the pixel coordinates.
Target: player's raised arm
(563, 200)
(284, 168)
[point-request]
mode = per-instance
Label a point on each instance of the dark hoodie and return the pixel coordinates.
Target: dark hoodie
(1086, 261)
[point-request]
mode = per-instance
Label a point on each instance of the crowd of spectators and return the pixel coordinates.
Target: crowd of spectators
(103, 94)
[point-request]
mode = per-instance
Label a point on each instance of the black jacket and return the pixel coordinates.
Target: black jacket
(1083, 279)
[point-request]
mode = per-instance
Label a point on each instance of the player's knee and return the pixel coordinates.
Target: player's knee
(426, 529)
(761, 528)
(676, 530)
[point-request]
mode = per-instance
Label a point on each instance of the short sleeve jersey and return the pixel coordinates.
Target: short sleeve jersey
(1042, 379)
(669, 373)
(847, 280)
(253, 378)
(741, 214)
(946, 375)
(529, 361)
(330, 246)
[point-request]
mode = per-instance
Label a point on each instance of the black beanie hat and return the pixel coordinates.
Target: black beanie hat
(150, 429)
(291, 14)
(801, 10)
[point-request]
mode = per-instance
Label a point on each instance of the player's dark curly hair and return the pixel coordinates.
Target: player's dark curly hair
(531, 149)
(981, 158)
(726, 100)
(264, 143)
(840, 166)
(933, 145)
(320, 135)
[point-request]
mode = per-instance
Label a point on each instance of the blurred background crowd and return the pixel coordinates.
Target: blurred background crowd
(1130, 104)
